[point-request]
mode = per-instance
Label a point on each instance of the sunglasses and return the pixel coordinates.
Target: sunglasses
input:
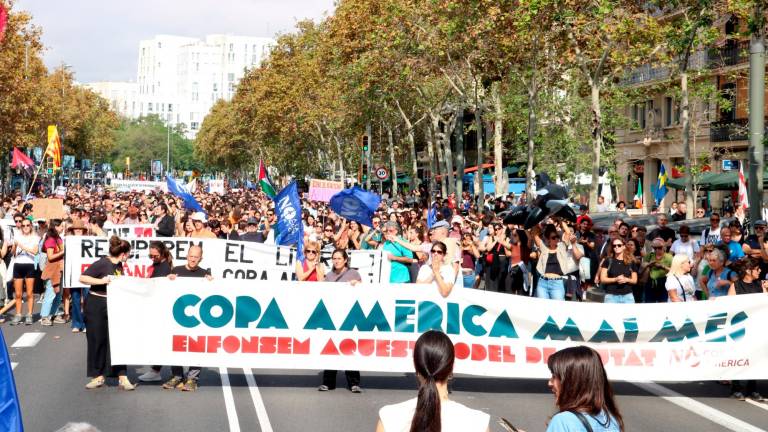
(153, 256)
(658, 247)
(618, 245)
(26, 225)
(310, 251)
(17, 221)
(439, 252)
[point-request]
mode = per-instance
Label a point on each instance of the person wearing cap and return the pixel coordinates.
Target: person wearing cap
(252, 233)
(752, 245)
(200, 231)
(657, 263)
(456, 227)
(685, 245)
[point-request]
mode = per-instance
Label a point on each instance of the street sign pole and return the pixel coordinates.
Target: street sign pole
(756, 117)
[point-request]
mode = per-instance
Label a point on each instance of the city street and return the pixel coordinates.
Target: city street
(49, 367)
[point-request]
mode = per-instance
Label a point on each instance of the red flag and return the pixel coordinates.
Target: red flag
(743, 195)
(22, 161)
(54, 147)
(3, 21)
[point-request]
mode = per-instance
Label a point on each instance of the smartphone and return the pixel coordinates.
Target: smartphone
(507, 425)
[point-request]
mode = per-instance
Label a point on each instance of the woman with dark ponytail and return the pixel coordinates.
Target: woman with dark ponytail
(432, 411)
(98, 276)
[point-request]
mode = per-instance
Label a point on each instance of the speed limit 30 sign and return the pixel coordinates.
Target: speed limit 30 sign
(382, 173)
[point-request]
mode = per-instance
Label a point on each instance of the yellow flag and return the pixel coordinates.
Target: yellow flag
(54, 146)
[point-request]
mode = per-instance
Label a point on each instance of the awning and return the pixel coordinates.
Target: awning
(710, 181)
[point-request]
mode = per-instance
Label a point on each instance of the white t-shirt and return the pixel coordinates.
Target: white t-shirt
(688, 248)
(446, 271)
(29, 242)
(710, 236)
(454, 417)
(683, 285)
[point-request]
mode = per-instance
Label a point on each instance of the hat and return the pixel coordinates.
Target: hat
(76, 224)
(457, 219)
(761, 222)
(198, 216)
(439, 224)
(583, 218)
(253, 221)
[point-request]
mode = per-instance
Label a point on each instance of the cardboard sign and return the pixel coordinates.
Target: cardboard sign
(48, 208)
(323, 190)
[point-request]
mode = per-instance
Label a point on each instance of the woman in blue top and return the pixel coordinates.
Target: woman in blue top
(583, 395)
(719, 277)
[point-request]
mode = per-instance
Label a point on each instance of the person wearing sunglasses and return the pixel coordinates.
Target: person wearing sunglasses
(25, 246)
(439, 272)
(311, 269)
(658, 264)
(557, 258)
(162, 266)
(618, 274)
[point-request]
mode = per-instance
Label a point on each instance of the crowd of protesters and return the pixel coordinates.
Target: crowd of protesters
(450, 243)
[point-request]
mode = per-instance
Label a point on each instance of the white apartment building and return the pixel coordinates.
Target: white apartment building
(180, 78)
(122, 96)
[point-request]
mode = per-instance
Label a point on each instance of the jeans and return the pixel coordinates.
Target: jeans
(51, 300)
(619, 298)
(469, 280)
(553, 289)
(76, 312)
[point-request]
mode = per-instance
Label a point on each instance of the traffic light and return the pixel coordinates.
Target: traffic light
(365, 176)
(365, 143)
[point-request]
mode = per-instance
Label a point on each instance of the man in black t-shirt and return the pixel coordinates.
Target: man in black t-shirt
(191, 269)
(252, 233)
(663, 231)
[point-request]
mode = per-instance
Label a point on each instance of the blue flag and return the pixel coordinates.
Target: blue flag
(661, 184)
(189, 201)
(10, 409)
(290, 229)
(355, 204)
(250, 185)
(431, 216)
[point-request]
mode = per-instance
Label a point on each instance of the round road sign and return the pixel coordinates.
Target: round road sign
(382, 173)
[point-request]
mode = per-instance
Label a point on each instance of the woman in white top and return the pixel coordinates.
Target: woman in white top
(25, 246)
(440, 273)
(680, 285)
(432, 411)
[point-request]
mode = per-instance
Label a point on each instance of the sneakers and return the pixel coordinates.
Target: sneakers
(757, 397)
(355, 389)
(2, 318)
(46, 322)
(190, 385)
(59, 320)
(323, 388)
(75, 330)
(150, 376)
(738, 396)
(174, 382)
(16, 320)
(125, 384)
(95, 383)
(28, 320)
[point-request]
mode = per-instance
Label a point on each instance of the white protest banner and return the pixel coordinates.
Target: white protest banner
(305, 325)
(216, 186)
(230, 260)
(138, 185)
(129, 231)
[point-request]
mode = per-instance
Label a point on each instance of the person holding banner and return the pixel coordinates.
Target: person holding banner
(439, 272)
(748, 283)
(341, 273)
(98, 276)
(162, 266)
(431, 410)
(583, 394)
(311, 269)
(76, 296)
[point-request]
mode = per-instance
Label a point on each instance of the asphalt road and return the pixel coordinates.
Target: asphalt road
(50, 375)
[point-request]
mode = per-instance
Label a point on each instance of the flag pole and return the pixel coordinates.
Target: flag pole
(32, 185)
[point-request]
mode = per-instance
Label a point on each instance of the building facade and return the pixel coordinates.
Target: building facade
(180, 78)
(719, 122)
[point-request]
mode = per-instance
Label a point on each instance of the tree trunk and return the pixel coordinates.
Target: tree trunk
(690, 202)
(435, 137)
(433, 168)
(597, 144)
(393, 167)
(445, 140)
(340, 158)
(479, 173)
(531, 141)
(411, 148)
(498, 149)
(459, 139)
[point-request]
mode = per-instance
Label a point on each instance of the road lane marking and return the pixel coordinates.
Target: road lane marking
(28, 340)
(716, 416)
(258, 402)
(758, 404)
(229, 401)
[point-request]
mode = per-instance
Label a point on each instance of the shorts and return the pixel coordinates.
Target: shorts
(23, 271)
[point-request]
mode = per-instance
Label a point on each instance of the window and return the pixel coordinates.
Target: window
(159, 44)
(668, 107)
(170, 107)
(230, 77)
(149, 108)
(215, 87)
(162, 107)
(231, 47)
(193, 125)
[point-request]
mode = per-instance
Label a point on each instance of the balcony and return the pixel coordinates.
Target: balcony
(732, 54)
(731, 130)
(646, 73)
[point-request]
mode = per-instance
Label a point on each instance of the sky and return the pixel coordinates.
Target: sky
(99, 39)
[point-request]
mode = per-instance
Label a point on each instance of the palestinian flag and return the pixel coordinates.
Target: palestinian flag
(22, 161)
(264, 182)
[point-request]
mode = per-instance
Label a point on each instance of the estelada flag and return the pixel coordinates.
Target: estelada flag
(3, 21)
(54, 146)
(22, 161)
